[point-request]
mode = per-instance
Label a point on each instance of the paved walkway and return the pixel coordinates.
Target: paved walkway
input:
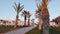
(21, 31)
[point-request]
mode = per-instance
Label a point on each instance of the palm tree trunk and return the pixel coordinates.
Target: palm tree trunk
(28, 21)
(25, 21)
(40, 23)
(45, 19)
(45, 24)
(16, 22)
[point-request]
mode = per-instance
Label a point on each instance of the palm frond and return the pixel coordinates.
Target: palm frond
(38, 6)
(24, 13)
(14, 8)
(28, 14)
(21, 8)
(18, 7)
(15, 4)
(38, 13)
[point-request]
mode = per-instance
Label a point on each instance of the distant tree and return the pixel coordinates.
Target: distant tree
(24, 13)
(28, 16)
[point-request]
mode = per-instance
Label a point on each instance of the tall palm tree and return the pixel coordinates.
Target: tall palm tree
(24, 13)
(28, 16)
(39, 15)
(45, 17)
(18, 8)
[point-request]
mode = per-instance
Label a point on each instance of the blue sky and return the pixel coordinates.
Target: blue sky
(8, 12)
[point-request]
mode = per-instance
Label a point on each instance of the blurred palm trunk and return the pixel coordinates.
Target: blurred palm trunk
(45, 18)
(25, 20)
(28, 21)
(16, 22)
(40, 23)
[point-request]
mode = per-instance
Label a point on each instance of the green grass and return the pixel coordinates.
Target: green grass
(53, 30)
(4, 29)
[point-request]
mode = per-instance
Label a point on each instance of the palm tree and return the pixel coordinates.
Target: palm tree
(39, 15)
(18, 9)
(24, 13)
(28, 16)
(45, 17)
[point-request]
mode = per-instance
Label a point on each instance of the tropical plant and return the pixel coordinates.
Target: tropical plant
(45, 16)
(24, 13)
(18, 8)
(28, 16)
(38, 14)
